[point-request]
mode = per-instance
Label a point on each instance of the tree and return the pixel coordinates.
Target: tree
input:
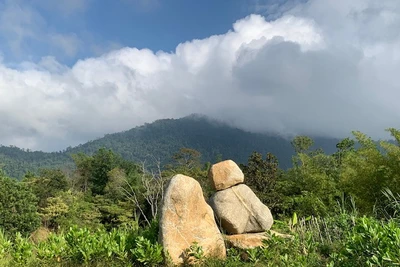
(261, 175)
(187, 161)
(47, 184)
(18, 210)
(107, 176)
(310, 187)
(368, 170)
(187, 158)
(94, 171)
(70, 208)
(302, 143)
(344, 146)
(103, 161)
(83, 170)
(317, 178)
(148, 194)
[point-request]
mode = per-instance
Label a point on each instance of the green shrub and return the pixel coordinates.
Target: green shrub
(115, 244)
(18, 207)
(22, 249)
(371, 243)
(147, 253)
(83, 245)
(55, 248)
(150, 232)
(5, 246)
(194, 254)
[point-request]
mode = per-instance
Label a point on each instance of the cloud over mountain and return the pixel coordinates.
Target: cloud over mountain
(321, 67)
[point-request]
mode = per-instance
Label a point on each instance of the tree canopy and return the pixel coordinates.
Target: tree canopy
(18, 206)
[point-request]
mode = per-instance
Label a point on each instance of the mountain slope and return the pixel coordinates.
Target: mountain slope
(16, 162)
(160, 140)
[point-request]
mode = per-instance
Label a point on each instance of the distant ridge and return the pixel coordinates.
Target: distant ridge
(160, 140)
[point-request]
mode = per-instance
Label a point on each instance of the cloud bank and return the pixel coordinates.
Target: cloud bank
(321, 68)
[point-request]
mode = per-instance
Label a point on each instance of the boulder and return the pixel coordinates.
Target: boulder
(246, 241)
(186, 218)
(225, 174)
(251, 240)
(239, 210)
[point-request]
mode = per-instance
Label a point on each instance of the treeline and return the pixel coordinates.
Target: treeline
(162, 139)
(15, 162)
(336, 206)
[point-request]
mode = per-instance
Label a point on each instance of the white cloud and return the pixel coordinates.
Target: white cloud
(317, 69)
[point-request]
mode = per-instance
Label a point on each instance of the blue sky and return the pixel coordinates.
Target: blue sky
(85, 28)
(75, 71)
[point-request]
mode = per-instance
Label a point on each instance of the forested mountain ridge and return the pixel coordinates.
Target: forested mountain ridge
(160, 140)
(15, 161)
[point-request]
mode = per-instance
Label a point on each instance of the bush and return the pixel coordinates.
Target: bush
(22, 249)
(371, 243)
(147, 253)
(18, 207)
(5, 246)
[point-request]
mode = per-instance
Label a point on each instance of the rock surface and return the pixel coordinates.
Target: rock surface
(252, 240)
(239, 210)
(187, 218)
(225, 174)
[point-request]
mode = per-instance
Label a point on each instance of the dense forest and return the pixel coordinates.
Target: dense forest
(160, 140)
(341, 208)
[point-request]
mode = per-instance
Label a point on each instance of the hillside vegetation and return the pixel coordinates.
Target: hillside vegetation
(342, 209)
(160, 140)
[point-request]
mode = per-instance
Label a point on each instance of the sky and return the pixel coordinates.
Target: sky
(75, 71)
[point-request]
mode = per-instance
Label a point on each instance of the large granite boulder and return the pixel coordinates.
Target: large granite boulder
(225, 174)
(239, 210)
(187, 218)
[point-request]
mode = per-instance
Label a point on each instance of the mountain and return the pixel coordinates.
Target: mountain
(15, 162)
(160, 140)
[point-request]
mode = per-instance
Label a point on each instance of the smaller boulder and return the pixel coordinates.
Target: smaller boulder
(225, 174)
(252, 240)
(239, 210)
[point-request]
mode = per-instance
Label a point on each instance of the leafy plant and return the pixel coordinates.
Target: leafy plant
(194, 254)
(293, 221)
(22, 249)
(147, 253)
(5, 245)
(54, 248)
(253, 255)
(83, 245)
(372, 243)
(18, 207)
